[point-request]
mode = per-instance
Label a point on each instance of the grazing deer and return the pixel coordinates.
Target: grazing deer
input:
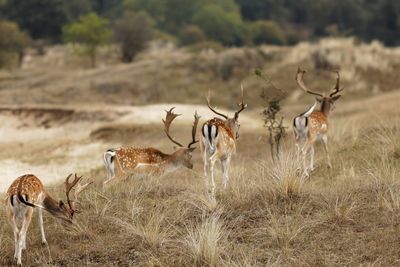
(25, 194)
(218, 142)
(311, 125)
(125, 161)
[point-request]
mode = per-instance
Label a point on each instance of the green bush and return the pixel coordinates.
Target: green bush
(91, 31)
(268, 32)
(12, 43)
(219, 25)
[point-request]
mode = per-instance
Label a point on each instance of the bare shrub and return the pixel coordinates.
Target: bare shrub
(273, 121)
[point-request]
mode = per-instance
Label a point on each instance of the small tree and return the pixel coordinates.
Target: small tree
(91, 31)
(272, 98)
(12, 43)
(133, 31)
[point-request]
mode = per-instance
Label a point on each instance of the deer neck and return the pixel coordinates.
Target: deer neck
(175, 158)
(325, 107)
(50, 204)
(230, 129)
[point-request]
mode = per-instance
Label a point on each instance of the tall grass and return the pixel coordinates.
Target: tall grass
(204, 242)
(283, 178)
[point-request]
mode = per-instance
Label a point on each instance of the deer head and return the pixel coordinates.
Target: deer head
(183, 156)
(232, 123)
(327, 102)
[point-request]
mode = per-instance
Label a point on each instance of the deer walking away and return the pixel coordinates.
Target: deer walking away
(218, 142)
(312, 125)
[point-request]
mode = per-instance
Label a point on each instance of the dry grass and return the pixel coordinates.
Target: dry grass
(269, 216)
(203, 242)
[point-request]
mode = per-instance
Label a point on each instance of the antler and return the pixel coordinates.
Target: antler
(300, 82)
(68, 188)
(242, 105)
(167, 123)
(213, 110)
(194, 130)
(79, 188)
(336, 88)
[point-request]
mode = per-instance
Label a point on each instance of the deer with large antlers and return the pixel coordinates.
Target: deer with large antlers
(27, 193)
(311, 125)
(125, 161)
(218, 141)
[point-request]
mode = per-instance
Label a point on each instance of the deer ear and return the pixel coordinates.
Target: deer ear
(191, 149)
(319, 100)
(61, 204)
(336, 97)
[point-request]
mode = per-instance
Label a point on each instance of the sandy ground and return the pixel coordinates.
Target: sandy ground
(35, 140)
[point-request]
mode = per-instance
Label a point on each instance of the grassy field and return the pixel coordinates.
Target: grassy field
(268, 216)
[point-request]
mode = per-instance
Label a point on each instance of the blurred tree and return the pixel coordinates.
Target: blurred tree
(225, 27)
(133, 31)
(179, 12)
(12, 43)
(192, 34)
(41, 18)
(268, 32)
(91, 31)
(155, 8)
(76, 8)
(107, 8)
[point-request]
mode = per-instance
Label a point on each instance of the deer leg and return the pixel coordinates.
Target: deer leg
(40, 219)
(213, 159)
(304, 151)
(325, 142)
(225, 166)
(206, 163)
(312, 157)
(13, 222)
(22, 233)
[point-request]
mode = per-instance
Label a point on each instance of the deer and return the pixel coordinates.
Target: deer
(126, 161)
(312, 125)
(27, 193)
(218, 141)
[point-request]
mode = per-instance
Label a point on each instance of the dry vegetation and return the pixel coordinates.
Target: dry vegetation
(268, 216)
